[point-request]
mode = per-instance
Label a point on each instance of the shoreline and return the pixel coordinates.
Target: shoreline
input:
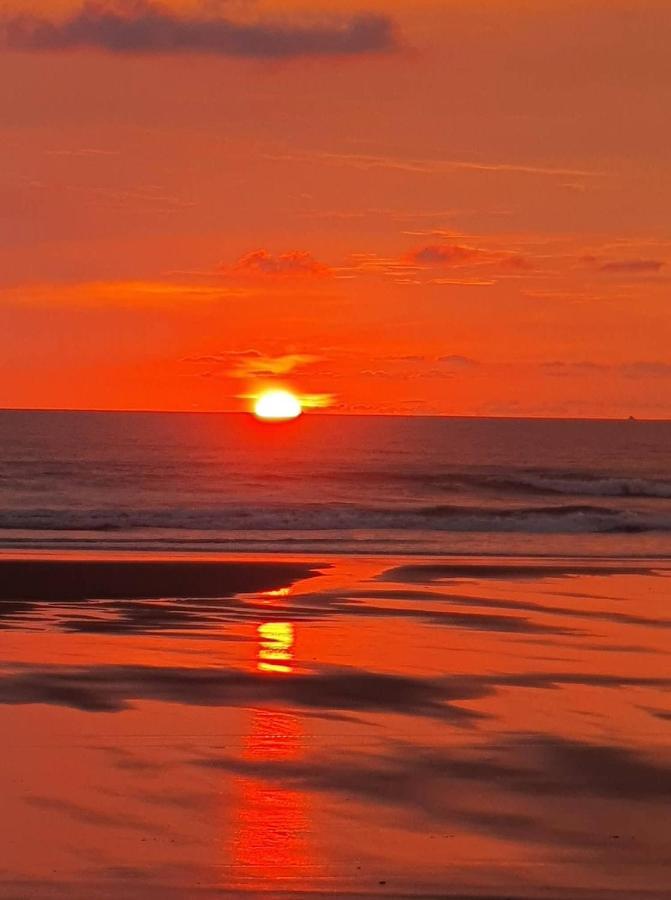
(34, 577)
(300, 556)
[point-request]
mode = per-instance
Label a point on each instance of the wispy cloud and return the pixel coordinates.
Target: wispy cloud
(459, 256)
(294, 264)
(425, 166)
(456, 361)
(637, 369)
(372, 264)
(317, 401)
(464, 282)
(634, 266)
(259, 366)
(134, 294)
(144, 27)
(82, 151)
(449, 255)
(253, 364)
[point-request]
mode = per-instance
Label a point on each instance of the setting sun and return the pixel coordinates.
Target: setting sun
(277, 406)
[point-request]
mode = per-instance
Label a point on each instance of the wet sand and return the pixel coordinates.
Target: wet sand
(98, 579)
(350, 728)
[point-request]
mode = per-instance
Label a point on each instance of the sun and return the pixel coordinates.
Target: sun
(277, 406)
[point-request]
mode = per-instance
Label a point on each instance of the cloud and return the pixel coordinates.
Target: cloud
(633, 266)
(464, 282)
(128, 294)
(560, 369)
(294, 264)
(570, 296)
(254, 363)
(82, 152)
(647, 370)
(125, 27)
(458, 362)
(317, 401)
(663, 714)
(456, 256)
(223, 357)
(639, 369)
(373, 264)
(449, 255)
(270, 366)
(423, 166)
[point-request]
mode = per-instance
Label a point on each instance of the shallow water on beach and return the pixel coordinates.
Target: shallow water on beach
(353, 727)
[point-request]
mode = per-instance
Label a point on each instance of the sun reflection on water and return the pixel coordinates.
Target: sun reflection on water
(270, 839)
(275, 652)
(280, 592)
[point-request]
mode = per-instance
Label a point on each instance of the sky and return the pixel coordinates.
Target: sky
(419, 207)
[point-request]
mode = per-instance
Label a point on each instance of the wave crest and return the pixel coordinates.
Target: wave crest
(567, 519)
(573, 484)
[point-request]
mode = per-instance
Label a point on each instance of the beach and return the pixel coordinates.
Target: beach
(348, 726)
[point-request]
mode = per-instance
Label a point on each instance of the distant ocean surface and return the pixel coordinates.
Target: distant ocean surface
(330, 485)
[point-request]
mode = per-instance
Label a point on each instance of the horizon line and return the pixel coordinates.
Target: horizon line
(383, 415)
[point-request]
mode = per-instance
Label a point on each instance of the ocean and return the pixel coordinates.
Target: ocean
(181, 482)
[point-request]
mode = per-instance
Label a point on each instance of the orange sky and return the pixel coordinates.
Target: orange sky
(451, 206)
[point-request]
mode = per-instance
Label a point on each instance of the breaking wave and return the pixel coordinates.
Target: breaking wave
(566, 519)
(573, 484)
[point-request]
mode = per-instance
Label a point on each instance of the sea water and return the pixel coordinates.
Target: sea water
(336, 484)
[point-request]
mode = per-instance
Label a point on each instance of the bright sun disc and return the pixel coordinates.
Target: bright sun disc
(277, 406)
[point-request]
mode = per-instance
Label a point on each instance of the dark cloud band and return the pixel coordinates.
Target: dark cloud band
(150, 28)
